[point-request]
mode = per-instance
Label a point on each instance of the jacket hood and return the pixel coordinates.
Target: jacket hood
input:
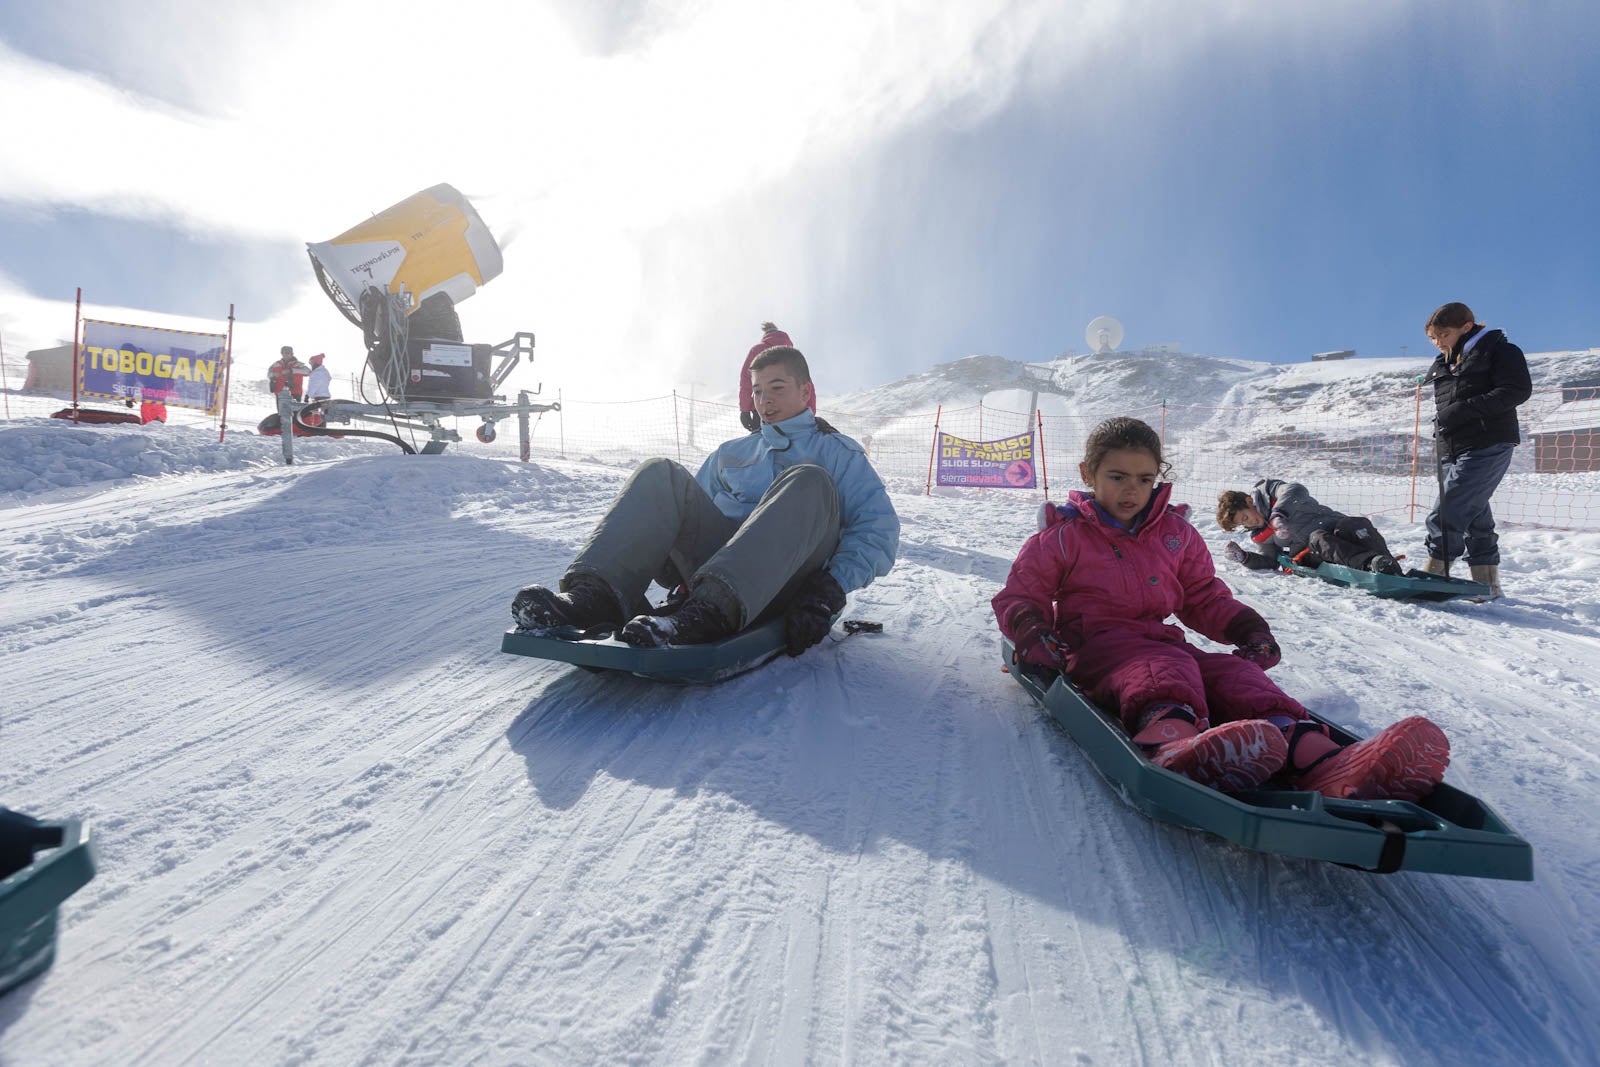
(1261, 495)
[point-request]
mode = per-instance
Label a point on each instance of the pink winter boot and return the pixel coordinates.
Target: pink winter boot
(1230, 758)
(1401, 762)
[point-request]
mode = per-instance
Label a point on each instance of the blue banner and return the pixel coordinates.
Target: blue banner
(176, 367)
(1005, 463)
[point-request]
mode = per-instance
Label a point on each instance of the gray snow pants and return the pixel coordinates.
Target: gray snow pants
(1461, 518)
(664, 526)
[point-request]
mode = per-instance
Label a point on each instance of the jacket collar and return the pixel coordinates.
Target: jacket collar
(1261, 496)
(1464, 344)
(1458, 352)
(1090, 509)
(780, 435)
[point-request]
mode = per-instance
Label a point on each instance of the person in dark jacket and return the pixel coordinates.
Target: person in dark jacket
(771, 337)
(1283, 517)
(1478, 381)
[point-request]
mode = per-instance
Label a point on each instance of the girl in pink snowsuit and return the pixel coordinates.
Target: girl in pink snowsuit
(1090, 594)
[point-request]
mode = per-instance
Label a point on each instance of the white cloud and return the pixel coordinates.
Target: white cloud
(317, 113)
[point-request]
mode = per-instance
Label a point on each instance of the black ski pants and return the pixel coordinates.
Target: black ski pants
(1350, 542)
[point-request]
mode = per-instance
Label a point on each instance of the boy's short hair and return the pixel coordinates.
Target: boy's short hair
(789, 357)
(1229, 505)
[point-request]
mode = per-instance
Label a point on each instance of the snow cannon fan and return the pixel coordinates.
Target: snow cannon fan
(1103, 334)
(399, 276)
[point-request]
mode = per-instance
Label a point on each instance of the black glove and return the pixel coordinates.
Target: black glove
(810, 614)
(1036, 643)
(1261, 649)
(1254, 561)
(750, 420)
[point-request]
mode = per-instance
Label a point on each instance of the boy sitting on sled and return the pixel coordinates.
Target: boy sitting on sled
(786, 520)
(1283, 517)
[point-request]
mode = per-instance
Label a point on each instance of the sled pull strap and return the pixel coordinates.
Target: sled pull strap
(1393, 853)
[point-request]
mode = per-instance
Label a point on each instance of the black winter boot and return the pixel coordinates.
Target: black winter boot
(697, 622)
(588, 602)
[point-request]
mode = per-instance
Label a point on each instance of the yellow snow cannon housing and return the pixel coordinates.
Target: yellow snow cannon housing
(431, 242)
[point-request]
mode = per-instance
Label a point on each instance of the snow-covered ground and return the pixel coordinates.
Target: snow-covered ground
(335, 825)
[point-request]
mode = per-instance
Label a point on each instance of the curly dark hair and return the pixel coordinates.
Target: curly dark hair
(1229, 504)
(1123, 432)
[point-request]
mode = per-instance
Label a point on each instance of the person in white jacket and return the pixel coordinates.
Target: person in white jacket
(320, 385)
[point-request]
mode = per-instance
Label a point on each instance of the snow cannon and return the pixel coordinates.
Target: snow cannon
(428, 244)
(399, 276)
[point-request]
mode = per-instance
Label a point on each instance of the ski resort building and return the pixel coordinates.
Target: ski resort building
(49, 370)
(1569, 439)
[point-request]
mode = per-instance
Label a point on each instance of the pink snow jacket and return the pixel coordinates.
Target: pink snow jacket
(1092, 578)
(770, 339)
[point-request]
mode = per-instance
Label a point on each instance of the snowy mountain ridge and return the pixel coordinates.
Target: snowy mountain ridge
(1104, 382)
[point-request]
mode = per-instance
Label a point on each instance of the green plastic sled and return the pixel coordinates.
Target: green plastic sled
(58, 860)
(600, 651)
(1413, 585)
(1449, 832)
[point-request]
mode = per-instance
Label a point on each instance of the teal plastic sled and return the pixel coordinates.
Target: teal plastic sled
(1449, 832)
(1413, 585)
(53, 860)
(600, 651)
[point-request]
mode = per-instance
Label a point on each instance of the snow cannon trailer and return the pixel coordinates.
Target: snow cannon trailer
(398, 276)
(1448, 832)
(1412, 585)
(41, 865)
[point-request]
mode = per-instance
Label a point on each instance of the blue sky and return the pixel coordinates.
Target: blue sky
(1253, 179)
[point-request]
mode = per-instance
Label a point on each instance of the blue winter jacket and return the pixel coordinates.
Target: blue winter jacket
(741, 470)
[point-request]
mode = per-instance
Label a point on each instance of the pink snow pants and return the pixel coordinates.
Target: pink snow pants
(1127, 673)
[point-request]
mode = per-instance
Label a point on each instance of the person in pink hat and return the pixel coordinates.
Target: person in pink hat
(320, 385)
(771, 337)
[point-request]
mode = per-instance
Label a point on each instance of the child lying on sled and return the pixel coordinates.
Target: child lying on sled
(1090, 593)
(1282, 517)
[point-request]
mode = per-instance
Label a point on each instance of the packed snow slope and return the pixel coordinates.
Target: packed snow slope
(336, 826)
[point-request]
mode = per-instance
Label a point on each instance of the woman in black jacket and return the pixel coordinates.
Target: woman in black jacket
(1478, 381)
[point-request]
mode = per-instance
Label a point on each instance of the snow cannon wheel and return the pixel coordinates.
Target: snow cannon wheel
(486, 433)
